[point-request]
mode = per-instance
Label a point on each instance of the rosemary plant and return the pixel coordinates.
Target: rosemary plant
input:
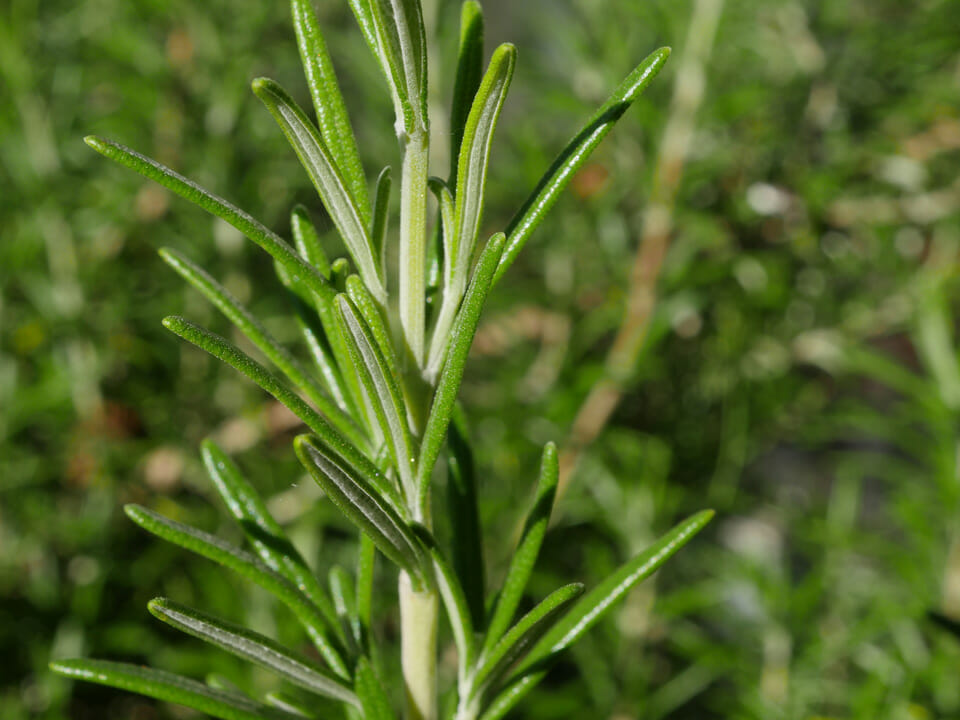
(381, 401)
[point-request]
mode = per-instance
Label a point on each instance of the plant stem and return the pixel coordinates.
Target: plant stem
(419, 613)
(413, 234)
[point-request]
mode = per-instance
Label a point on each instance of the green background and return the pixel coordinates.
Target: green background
(800, 375)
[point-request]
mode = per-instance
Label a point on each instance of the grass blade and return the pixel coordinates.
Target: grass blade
(307, 240)
(319, 164)
(362, 505)
(263, 532)
(258, 335)
(382, 389)
(467, 542)
(448, 385)
(522, 636)
(168, 687)
(469, 72)
(254, 647)
(574, 155)
(373, 699)
(272, 243)
(244, 364)
(248, 567)
(332, 119)
(525, 556)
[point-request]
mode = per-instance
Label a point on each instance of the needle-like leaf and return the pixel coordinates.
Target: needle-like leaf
(258, 335)
(376, 705)
(189, 190)
(247, 566)
(522, 636)
(366, 565)
(345, 603)
(168, 687)
(222, 350)
(373, 316)
(467, 81)
(332, 118)
(263, 532)
(574, 155)
(447, 226)
(467, 535)
(287, 703)
(307, 240)
(381, 208)
(589, 610)
(469, 196)
(362, 505)
(448, 385)
(254, 647)
(330, 185)
(525, 556)
(383, 391)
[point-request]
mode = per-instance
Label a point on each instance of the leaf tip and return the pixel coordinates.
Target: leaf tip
(97, 143)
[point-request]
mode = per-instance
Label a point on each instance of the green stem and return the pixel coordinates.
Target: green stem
(413, 235)
(419, 612)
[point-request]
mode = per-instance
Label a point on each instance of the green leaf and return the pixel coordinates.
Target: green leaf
(525, 556)
(590, 610)
(341, 590)
(366, 565)
(454, 603)
(598, 601)
(362, 504)
(467, 540)
(372, 315)
(317, 341)
(243, 363)
(522, 636)
(383, 391)
(169, 688)
(287, 703)
(307, 240)
(376, 705)
(475, 155)
(247, 566)
(448, 385)
(574, 155)
(469, 72)
(326, 178)
(375, 18)
(447, 226)
(263, 532)
(254, 647)
(189, 190)
(470, 190)
(332, 118)
(381, 208)
(258, 335)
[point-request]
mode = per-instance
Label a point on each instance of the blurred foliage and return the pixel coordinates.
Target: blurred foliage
(801, 375)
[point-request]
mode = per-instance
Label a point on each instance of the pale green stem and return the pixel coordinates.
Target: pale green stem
(419, 613)
(413, 236)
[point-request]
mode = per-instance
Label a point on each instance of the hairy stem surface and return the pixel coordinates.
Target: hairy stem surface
(419, 613)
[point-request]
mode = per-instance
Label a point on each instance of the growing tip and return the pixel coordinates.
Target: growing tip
(95, 142)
